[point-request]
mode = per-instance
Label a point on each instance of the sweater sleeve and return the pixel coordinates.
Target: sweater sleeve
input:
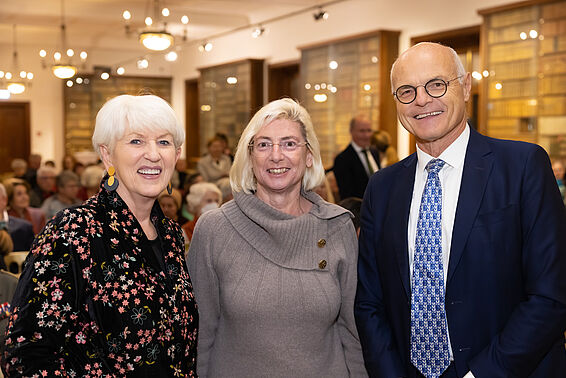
(205, 284)
(347, 276)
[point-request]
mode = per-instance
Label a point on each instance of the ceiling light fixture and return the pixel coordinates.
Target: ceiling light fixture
(321, 14)
(156, 37)
(205, 46)
(15, 85)
(258, 31)
(64, 70)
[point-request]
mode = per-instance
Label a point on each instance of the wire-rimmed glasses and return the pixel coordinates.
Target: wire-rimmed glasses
(263, 147)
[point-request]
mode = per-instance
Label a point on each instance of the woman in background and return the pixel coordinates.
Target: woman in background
(274, 270)
(202, 197)
(18, 204)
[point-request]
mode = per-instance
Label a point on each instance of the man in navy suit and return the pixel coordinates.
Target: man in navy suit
(501, 242)
(354, 165)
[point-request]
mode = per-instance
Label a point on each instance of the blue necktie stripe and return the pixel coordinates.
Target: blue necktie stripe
(429, 334)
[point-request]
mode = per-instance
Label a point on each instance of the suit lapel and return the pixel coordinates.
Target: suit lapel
(477, 168)
(400, 205)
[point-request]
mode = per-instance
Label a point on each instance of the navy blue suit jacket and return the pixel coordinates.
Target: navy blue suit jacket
(351, 176)
(506, 285)
(21, 232)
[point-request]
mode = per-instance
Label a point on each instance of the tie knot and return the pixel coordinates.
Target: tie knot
(435, 165)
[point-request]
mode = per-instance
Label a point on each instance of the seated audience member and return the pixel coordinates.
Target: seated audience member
(66, 196)
(68, 163)
(18, 204)
(19, 168)
(90, 181)
(34, 162)
(44, 187)
(354, 205)
(20, 230)
(225, 188)
(8, 283)
(214, 165)
(381, 141)
(171, 205)
(324, 191)
(6, 246)
(203, 197)
(559, 174)
(79, 168)
(190, 180)
(50, 163)
(226, 147)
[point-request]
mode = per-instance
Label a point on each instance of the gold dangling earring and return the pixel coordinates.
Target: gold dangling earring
(111, 183)
(169, 188)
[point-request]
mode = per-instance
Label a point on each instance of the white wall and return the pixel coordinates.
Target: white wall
(279, 44)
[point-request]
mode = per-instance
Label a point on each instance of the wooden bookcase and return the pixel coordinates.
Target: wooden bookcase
(229, 95)
(524, 52)
(357, 83)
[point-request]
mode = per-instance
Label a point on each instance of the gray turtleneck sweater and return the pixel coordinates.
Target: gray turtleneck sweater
(276, 292)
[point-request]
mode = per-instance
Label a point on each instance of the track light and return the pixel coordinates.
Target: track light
(321, 14)
(206, 46)
(258, 31)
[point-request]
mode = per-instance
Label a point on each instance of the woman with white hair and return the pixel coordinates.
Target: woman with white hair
(203, 196)
(274, 270)
(105, 290)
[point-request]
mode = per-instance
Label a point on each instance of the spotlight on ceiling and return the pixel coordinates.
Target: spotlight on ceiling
(258, 31)
(321, 14)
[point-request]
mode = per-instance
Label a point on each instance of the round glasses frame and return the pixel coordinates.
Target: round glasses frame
(434, 88)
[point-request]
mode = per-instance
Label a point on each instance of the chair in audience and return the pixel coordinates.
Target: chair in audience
(15, 261)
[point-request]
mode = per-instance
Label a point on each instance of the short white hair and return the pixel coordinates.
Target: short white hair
(458, 65)
(198, 191)
(135, 113)
(241, 174)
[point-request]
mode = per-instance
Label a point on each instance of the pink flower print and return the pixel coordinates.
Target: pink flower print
(57, 295)
(20, 339)
(81, 339)
(114, 241)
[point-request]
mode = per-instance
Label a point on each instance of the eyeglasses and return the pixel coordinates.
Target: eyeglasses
(286, 146)
(434, 88)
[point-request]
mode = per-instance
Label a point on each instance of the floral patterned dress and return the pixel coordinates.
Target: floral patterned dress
(90, 302)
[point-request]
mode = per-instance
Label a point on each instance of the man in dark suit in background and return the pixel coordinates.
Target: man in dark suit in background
(462, 260)
(354, 165)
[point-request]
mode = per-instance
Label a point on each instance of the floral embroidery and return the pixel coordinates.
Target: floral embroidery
(91, 296)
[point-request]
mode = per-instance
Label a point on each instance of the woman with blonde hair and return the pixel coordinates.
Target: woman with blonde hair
(274, 270)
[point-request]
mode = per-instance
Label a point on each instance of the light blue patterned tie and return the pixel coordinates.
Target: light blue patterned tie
(429, 334)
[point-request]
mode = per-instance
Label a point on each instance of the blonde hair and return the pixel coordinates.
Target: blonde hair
(241, 173)
(136, 113)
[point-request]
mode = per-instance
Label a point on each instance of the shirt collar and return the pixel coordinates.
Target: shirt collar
(453, 156)
(356, 147)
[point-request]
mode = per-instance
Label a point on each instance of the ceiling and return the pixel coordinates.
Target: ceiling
(98, 24)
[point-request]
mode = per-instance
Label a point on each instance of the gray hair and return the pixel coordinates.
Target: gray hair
(241, 174)
(198, 191)
(460, 70)
(135, 113)
(19, 163)
(91, 176)
(66, 177)
(42, 171)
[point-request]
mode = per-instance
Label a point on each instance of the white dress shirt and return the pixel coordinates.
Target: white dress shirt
(362, 156)
(450, 179)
